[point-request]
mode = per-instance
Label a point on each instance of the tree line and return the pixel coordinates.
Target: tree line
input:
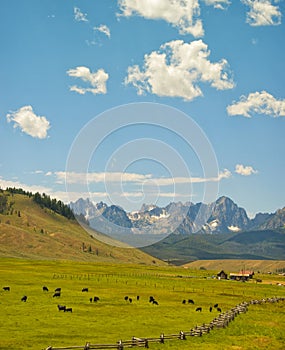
(44, 200)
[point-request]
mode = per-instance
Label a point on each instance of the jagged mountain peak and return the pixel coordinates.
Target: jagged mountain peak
(221, 216)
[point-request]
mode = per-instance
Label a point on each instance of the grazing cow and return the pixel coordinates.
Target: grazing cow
(57, 290)
(138, 297)
(68, 309)
(61, 307)
(199, 309)
(184, 301)
(56, 295)
(216, 305)
(91, 299)
(130, 300)
(126, 298)
(219, 309)
(151, 299)
(210, 309)
(24, 298)
(7, 289)
(45, 289)
(84, 290)
(190, 301)
(96, 299)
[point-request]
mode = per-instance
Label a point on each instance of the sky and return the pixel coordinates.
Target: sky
(144, 101)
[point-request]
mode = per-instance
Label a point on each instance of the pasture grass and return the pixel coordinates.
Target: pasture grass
(37, 323)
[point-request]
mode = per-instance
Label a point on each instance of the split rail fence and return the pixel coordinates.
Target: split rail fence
(221, 321)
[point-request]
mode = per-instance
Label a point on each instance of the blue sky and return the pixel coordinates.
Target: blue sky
(211, 66)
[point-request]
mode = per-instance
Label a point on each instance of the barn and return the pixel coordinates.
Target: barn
(222, 275)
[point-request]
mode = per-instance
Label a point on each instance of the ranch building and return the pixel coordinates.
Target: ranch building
(222, 275)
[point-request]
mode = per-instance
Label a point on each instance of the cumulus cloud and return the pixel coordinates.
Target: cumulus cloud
(218, 4)
(29, 123)
(182, 14)
(245, 170)
(258, 103)
(177, 69)
(79, 16)
(103, 29)
(96, 81)
(262, 13)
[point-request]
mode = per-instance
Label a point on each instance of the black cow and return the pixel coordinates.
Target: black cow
(96, 299)
(210, 309)
(45, 289)
(151, 299)
(219, 309)
(155, 302)
(56, 295)
(24, 298)
(7, 289)
(190, 301)
(199, 309)
(68, 309)
(126, 298)
(216, 305)
(57, 290)
(138, 297)
(90, 299)
(84, 289)
(61, 307)
(130, 300)
(184, 301)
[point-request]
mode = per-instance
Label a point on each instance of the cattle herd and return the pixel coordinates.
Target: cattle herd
(152, 300)
(57, 294)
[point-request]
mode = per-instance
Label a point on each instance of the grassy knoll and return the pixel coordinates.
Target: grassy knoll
(38, 323)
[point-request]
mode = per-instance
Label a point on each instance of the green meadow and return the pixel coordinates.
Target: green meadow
(37, 323)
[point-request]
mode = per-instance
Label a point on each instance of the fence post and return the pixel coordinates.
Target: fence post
(162, 338)
(182, 335)
(120, 345)
(87, 346)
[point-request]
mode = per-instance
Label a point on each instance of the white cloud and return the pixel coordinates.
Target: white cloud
(103, 29)
(145, 179)
(245, 170)
(29, 123)
(176, 70)
(17, 184)
(97, 80)
(218, 4)
(182, 14)
(79, 16)
(262, 13)
(258, 103)
(81, 178)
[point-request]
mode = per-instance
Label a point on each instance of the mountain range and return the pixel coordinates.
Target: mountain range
(221, 216)
(183, 232)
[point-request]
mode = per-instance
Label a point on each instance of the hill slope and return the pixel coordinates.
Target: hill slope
(29, 231)
(258, 245)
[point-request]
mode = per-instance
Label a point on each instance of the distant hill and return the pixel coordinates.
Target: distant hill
(30, 229)
(256, 245)
(262, 266)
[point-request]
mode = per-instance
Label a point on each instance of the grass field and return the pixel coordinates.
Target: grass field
(37, 323)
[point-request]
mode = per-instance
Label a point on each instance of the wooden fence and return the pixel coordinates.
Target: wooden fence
(221, 321)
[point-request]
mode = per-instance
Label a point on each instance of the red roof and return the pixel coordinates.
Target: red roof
(246, 272)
